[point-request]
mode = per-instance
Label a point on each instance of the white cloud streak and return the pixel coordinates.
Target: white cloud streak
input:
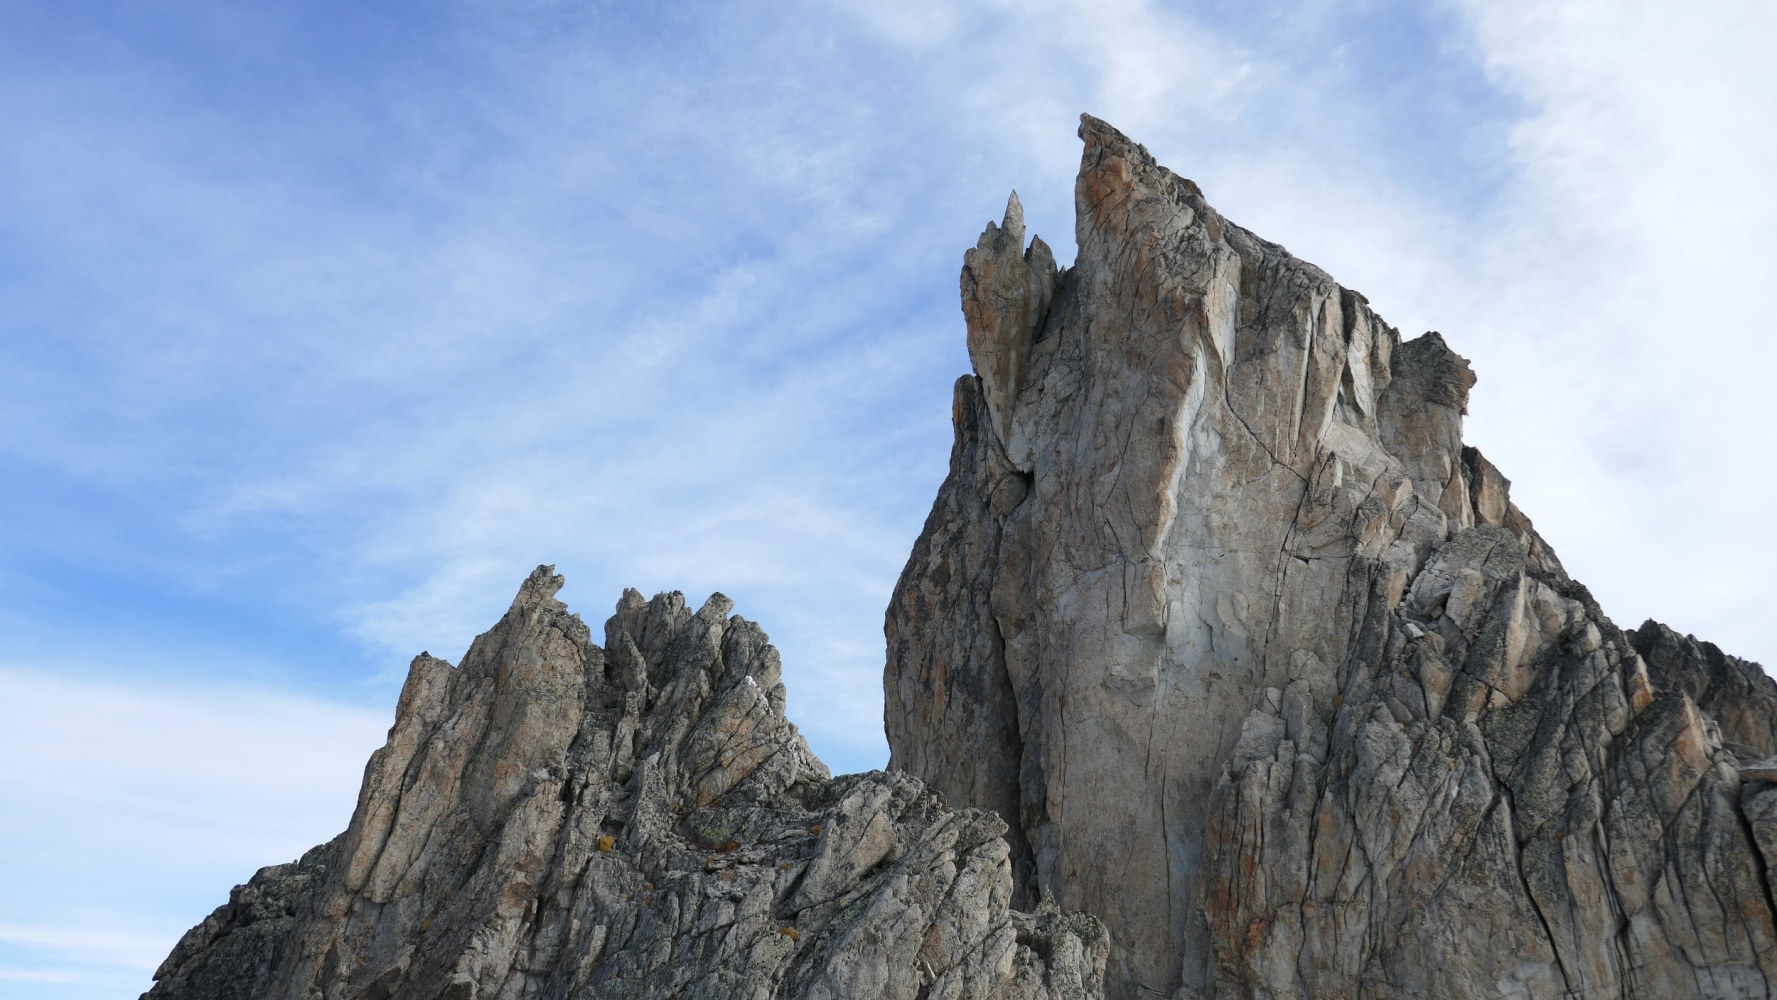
(1621, 313)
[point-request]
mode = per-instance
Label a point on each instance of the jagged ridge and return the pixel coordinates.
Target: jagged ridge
(554, 819)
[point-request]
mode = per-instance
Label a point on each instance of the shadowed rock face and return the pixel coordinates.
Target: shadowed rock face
(1267, 670)
(554, 819)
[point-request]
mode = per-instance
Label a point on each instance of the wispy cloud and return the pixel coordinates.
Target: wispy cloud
(1618, 318)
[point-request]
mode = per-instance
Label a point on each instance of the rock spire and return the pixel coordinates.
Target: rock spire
(1266, 670)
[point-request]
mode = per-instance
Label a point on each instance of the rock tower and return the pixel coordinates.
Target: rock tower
(1265, 669)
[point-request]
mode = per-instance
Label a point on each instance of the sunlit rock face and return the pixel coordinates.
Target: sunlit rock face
(1265, 669)
(556, 819)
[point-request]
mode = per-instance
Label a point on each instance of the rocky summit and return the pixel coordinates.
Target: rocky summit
(1221, 669)
(553, 818)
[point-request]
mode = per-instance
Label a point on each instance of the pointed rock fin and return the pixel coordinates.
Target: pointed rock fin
(1006, 290)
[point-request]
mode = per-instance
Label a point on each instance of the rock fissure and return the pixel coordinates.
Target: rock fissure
(1759, 861)
(1548, 930)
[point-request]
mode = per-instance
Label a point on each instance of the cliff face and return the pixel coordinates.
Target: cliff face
(553, 819)
(1266, 669)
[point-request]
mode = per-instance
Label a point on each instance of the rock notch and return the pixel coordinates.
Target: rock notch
(1267, 671)
(553, 819)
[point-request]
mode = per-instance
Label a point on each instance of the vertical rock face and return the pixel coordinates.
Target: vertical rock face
(553, 819)
(1268, 672)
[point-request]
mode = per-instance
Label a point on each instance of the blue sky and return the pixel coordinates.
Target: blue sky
(322, 323)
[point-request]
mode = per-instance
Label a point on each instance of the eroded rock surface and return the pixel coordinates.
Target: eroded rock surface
(1268, 671)
(553, 819)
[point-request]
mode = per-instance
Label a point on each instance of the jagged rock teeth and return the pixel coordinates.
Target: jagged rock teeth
(552, 820)
(1006, 290)
(1271, 672)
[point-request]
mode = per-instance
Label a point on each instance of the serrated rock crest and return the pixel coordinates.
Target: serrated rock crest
(555, 819)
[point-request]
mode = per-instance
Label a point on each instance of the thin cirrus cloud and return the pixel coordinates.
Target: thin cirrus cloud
(323, 324)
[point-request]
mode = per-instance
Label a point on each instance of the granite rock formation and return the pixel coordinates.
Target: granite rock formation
(553, 819)
(1266, 670)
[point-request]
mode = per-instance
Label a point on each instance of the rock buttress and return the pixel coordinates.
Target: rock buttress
(1270, 672)
(554, 819)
